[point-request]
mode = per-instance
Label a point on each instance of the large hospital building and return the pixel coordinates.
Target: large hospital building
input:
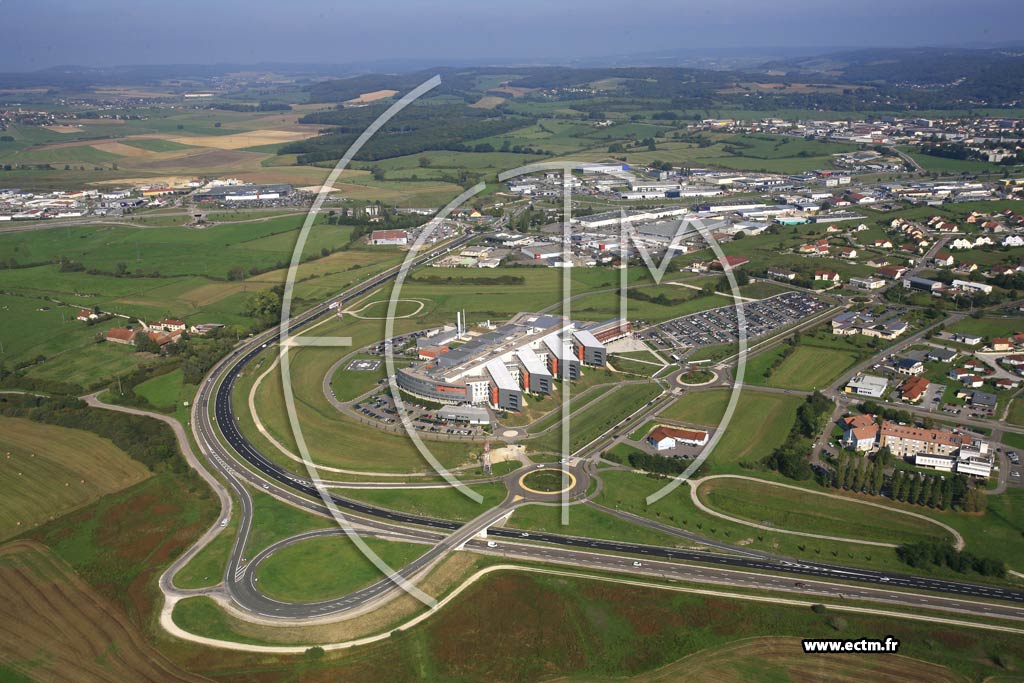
(521, 356)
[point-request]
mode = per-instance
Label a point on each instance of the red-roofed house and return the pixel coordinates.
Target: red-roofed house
(1001, 344)
(121, 335)
(731, 261)
(913, 389)
(171, 325)
(859, 432)
(389, 237)
(667, 438)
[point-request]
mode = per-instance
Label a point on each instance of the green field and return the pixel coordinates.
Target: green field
(350, 384)
(807, 368)
(1016, 413)
(989, 327)
(274, 520)
(49, 471)
(156, 145)
(163, 391)
(598, 417)
(333, 438)
(172, 251)
(587, 522)
(327, 567)
(793, 510)
(442, 503)
(760, 424)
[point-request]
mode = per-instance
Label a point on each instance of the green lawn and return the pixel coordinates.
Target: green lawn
(274, 520)
(575, 628)
(989, 327)
(586, 521)
(162, 391)
(1016, 413)
(598, 416)
(322, 568)
(349, 384)
(794, 510)
(805, 369)
(443, 503)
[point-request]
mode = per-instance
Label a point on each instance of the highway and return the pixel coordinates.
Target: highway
(446, 535)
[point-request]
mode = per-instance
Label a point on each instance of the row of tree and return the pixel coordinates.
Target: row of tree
(791, 458)
(925, 554)
(853, 472)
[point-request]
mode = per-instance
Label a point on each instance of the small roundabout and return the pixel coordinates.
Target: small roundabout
(549, 483)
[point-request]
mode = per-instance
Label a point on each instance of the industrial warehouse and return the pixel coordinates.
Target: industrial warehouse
(524, 355)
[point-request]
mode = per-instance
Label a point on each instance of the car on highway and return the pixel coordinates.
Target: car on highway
(638, 563)
(492, 544)
(224, 522)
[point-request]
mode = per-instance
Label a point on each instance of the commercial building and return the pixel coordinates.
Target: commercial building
(473, 415)
(398, 238)
(588, 349)
(533, 374)
(974, 460)
(497, 367)
(907, 441)
(241, 193)
(867, 385)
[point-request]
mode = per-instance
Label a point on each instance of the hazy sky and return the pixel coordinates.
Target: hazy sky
(40, 33)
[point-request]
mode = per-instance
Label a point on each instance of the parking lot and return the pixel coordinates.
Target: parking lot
(719, 325)
(381, 408)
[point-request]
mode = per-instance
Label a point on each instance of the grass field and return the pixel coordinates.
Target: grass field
(349, 384)
(759, 425)
(807, 368)
(598, 416)
(1016, 413)
(989, 327)
(56, 627)
(771, 660)
(327, 567)
(588, 522)
(163, 391)
(49, 471)
(443, 503)
(274, 521)
(794, 510)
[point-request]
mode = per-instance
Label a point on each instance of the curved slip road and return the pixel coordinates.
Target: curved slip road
(958, 540)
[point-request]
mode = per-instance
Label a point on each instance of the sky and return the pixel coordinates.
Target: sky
(37, 34)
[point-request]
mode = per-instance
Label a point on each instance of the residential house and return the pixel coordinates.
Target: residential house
(121, 335)
(913, 389)
(859, 432)
(909, 366)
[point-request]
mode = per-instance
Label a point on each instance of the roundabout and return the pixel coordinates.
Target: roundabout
(549, 483)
